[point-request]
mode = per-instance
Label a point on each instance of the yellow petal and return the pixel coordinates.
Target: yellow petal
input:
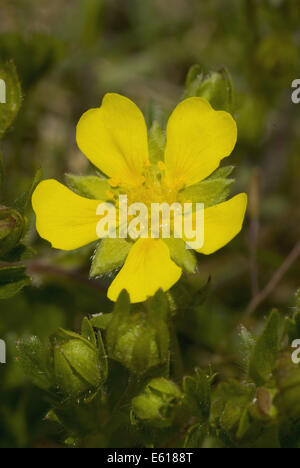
(63, 218)
(198, 137)
(222, 223)
(114, 138)
(147, 269)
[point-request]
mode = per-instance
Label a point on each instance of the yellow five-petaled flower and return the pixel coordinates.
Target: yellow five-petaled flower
(114, 138)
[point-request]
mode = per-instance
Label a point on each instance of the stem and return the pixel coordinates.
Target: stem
(274, 281)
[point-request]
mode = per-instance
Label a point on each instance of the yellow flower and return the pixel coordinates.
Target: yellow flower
(114, 138)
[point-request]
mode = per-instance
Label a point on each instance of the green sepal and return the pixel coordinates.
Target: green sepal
(93, 187)
(185, 258)
(157, 143)
(197, 394)
(12, 226)
(215, 87)
(101, 321)
(110, 254)
(196, 436)
(156, 406)
(265, 352)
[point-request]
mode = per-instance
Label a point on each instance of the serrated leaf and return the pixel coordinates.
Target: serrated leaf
(110, 254)
(33, 358)
(9, 109)
(210, 191)
(12, 280)
(266, 350)
(93, 187)
(185, 258)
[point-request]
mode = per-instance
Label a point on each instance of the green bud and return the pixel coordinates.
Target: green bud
(215, 87)
(287, 376)
(138, 337)
(11, 229)
(157, 405)
(77, 362)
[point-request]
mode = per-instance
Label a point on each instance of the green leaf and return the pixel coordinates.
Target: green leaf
(110, 254)
(266, 350)
(197, 395)
(9, 109)
(157, 143)
(93, 187)
(246, 344)
(33, 358)
(210, 191)
(196, 436)
(12, 280)
(185, 258)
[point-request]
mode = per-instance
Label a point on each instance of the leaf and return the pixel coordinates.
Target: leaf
(110, 254)
(10, 109)
(184, 257)
(246, 344)
(12, 280)
(33, 358)
(229, 402)
(266, 350)
(197, 395)
(196, 436)
(93, 187)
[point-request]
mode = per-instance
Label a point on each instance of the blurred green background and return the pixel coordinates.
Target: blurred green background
(68, 55)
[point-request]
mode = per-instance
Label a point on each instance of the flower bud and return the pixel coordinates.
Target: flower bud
(77, 366)
(157, 405)
(11, 229)
(215, 87)
(287, 376)
(138, 338)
